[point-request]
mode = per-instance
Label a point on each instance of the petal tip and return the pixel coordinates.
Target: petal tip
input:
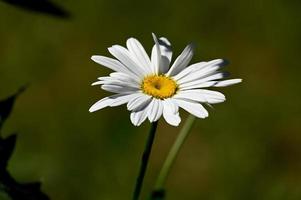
(176, 124)
(92, 109)
(94, 58)
(164, 41)
(224, 62)
(154, 37)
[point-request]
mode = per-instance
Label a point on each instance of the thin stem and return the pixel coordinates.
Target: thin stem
(172, 155)
(144, 161)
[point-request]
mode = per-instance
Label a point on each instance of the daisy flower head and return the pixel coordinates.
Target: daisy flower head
(152, 86)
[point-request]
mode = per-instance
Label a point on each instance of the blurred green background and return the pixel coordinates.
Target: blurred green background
(250, 146)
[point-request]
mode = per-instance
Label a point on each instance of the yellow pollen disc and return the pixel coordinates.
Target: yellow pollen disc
(159, 86)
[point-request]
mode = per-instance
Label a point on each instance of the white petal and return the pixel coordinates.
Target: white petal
(152, 107)
(139, 117)
(155, 110)
(209, 94)
(104, 78)
(201, 85)
(200, 73)
(124, 77)
(166, 55)
(97, 83)
(172, 119)
(100, 104)
(160, 110)
(109, 63)
(182, 61)
(139, 103)
(123, 99)
(138, 54)
(172, 105)
(203, 96)
(201, 68)
(213, 84)
(154, 59)
(118, 78)
(156, 56)
(135, 117)
(119, 89)
(197, 75)
(192, 107)
(123, 55)
(112, 64)
(114, 100)
(215, 76)
(198, 70)
(117, 82)
(165, 47)
(227, 82)
(169, 115)
(196, 83)
(189, 70)
(192, 95)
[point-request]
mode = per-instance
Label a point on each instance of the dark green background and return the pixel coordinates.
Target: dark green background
(248, 148)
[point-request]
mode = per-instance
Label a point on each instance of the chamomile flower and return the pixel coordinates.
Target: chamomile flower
(152, 87)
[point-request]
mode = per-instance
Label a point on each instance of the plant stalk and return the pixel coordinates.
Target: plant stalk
(172, 155)
(144, 161)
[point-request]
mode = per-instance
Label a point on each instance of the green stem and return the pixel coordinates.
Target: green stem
(144, 161)
(172, 155)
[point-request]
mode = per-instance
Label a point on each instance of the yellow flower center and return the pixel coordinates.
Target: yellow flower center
(159, 86)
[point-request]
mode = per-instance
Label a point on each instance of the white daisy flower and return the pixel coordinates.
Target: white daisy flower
(151, 88)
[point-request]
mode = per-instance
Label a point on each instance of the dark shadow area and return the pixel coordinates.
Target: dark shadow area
(158, 195)
(16, 190)
(41, 6)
